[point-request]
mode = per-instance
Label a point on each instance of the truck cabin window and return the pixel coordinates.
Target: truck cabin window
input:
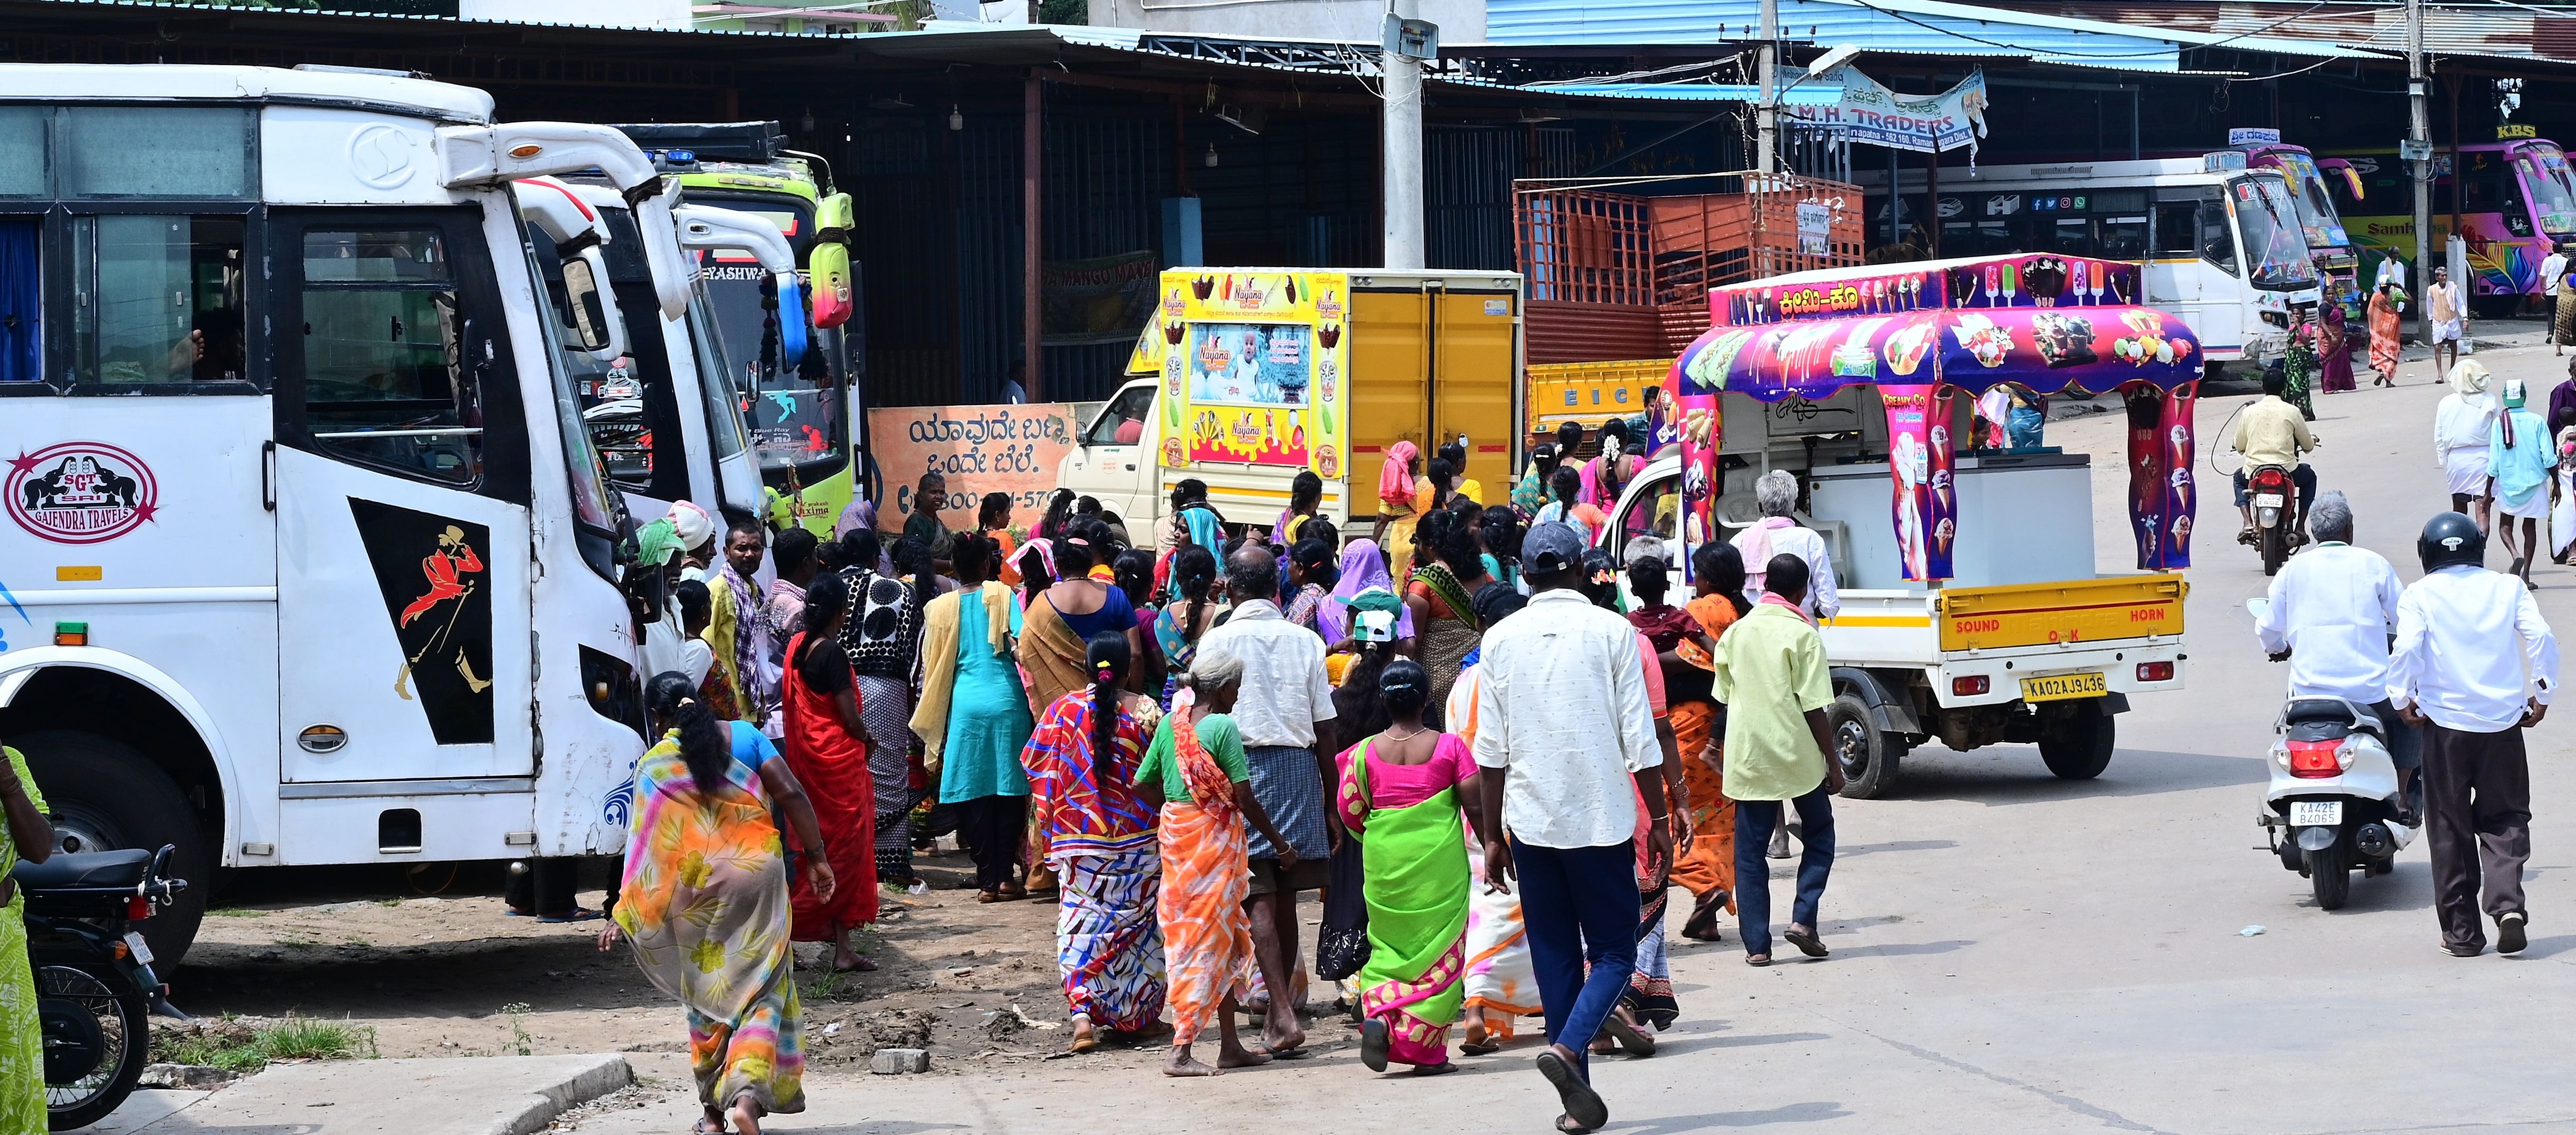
(385, 380)
(1122, 422)
(156, 299)
(1655, 513)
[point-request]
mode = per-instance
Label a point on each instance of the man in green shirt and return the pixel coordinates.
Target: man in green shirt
(1771, 675)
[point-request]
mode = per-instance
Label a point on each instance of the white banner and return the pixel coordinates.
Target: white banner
(1870, 113)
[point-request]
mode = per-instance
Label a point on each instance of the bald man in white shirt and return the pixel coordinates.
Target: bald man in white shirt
(2474, 666)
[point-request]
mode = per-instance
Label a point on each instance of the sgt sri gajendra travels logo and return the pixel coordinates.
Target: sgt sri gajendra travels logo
(80, 492)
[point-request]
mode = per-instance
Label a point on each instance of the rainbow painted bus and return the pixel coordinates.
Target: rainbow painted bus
(805, 416)
(2312, 192)
(2515, 202)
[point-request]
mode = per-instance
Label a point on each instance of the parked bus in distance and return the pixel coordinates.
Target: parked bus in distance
(2313, 192)
(2221, 244)
(2512, 202)
(805, 414)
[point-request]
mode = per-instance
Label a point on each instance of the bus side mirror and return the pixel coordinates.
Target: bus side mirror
(594, 327)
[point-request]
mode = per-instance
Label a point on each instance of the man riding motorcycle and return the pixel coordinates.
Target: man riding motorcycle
(2331, 612)
(2270, 431)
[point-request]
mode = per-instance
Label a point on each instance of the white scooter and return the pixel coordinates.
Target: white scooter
(2332, 804)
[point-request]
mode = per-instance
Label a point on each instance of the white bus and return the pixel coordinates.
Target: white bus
(308, 557)
(2222, 248)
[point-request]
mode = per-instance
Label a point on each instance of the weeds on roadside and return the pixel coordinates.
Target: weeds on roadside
(520, 1041)
(228, 1044)
(236, 912)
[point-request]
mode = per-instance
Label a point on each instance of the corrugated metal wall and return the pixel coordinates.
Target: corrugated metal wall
(1467, 190)
(988, 257)
(899, 178)
(1105, 172)
(1301, 194)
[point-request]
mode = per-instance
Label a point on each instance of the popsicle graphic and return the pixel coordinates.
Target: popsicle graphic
(1994, 284)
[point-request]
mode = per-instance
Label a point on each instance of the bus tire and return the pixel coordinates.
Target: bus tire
(104, 796)
(2079, 745)
(1869, 755)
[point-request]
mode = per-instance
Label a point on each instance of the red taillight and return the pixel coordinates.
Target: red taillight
(138, 908)
(2155, 671)
(2271, 480)
(2315, 760)
(1969, 687)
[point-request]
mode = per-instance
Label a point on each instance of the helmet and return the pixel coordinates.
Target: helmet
(2450, 540)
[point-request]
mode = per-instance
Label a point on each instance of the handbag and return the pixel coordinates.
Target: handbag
(1343, 946)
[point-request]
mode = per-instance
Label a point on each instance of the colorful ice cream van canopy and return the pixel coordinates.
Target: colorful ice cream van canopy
(2050, 324)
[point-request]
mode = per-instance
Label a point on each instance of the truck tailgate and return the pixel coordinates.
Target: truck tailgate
(2038, 614)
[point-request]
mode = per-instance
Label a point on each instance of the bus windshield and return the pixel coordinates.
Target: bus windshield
(794, 407)
(2553, 193)
(2318, 220)
(2268, 223)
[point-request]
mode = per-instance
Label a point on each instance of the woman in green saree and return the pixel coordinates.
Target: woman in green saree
(1400, 795)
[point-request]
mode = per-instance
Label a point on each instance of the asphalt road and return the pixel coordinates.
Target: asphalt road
(2012, 951)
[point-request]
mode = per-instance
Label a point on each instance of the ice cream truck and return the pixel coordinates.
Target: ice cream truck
(1971, 610)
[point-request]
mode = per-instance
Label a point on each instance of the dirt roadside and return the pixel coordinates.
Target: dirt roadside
(451, 974)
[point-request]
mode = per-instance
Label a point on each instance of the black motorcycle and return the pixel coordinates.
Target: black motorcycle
(94, 979)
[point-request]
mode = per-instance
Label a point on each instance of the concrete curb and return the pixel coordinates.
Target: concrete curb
(602, 1075)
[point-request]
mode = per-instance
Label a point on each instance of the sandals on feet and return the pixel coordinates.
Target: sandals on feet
(1632, 1040)
(1583, 1106)
(1375, 1041)
(1806, 941)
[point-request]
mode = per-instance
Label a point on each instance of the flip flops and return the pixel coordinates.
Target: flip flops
(1375, 1041)
(1582, 1105)
(1806, 941)
(575, 915)
(1631, 1039)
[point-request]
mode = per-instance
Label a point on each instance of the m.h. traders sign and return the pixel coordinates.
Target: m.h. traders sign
(1870, 113)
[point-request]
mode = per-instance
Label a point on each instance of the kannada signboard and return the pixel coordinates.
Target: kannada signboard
(1255, 368)
(978, 450)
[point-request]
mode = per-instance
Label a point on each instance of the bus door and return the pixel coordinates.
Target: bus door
(2193, 270)
(403, 540)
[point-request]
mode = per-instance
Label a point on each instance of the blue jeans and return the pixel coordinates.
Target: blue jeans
(1754, 820)
(1579, 908)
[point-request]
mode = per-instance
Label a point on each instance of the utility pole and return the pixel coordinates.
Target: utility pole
(1403, 158)
(1766, 113)
(2420, 132)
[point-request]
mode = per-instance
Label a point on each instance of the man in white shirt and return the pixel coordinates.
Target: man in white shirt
(2332, 609)
(1776, 494)
(2450, 319)
(1566, 728)
(2473, 667)
(1285, 713)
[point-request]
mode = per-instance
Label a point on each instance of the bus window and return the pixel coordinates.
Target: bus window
(22, 284)
(156, 299)
(382, 382)
(2072, 236)
(2124, 238)
(2553, 194)
(2214, 244)
(2177, 225)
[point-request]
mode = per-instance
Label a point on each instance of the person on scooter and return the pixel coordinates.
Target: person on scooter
(2270, 431)
(2331, 612)
(2474, 666)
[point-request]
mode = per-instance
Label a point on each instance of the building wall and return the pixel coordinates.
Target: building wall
(1350, 21)
(601, 13)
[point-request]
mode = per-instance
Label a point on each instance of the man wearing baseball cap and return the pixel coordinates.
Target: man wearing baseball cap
(1565, 723)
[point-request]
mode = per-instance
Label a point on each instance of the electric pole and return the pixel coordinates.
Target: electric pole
(1766, 113)
(1403, 158)
(2419, 131)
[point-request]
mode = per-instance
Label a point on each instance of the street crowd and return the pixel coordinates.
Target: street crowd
(1494, 746)
(1492, 759)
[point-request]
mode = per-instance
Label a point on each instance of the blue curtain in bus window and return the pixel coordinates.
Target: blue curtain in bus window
(20, 285)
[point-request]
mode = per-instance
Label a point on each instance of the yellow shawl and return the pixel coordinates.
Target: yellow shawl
(1051, 655)
(939, 661)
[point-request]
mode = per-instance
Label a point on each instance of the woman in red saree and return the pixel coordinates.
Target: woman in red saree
(827, 750)
(2384, 306)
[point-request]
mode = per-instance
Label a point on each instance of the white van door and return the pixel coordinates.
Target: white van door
(1113, 460)
(403, 479)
